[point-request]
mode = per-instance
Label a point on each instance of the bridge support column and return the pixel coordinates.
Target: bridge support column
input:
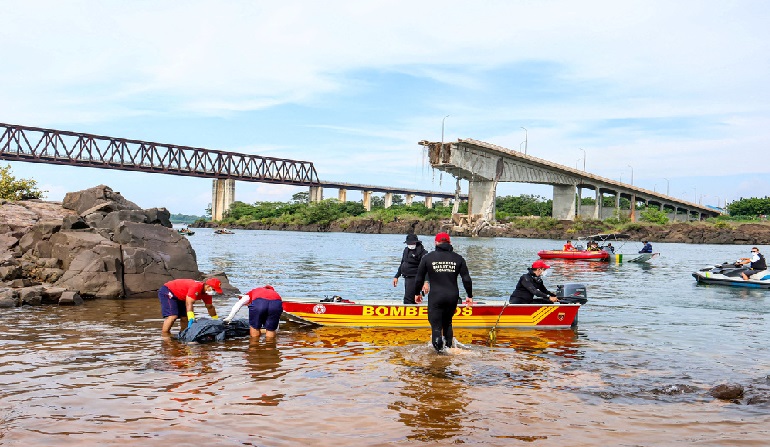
(429, 202)
(343, 195)
(388, 199)
(580, 201)
(481, 198)
(563, 202)
(633, 208)
(367, 199)
(597, 214)
(316, 194)
(409, 199)
(222, 196)
(445, 202)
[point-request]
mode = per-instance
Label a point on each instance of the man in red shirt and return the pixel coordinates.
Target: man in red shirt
(177, 298)
(265, 309)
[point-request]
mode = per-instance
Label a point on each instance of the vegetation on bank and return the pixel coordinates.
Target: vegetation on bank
(12, 188)
(185, 218)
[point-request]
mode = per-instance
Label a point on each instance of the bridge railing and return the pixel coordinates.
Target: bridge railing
(34, 144)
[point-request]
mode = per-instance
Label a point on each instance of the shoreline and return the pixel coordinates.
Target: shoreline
(680, 232)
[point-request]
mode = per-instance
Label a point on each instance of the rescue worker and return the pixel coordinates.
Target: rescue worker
(443, 266)
(265, 309)
(177, 298)
(568, 246)
(410, 260)
(531, 285)
(647, 247)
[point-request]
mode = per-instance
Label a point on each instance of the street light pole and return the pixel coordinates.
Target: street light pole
(525, 140)
(584, 158)
(442, 131)
(632, 174)
(664, 178)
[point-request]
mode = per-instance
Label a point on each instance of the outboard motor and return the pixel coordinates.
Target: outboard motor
(572, 293)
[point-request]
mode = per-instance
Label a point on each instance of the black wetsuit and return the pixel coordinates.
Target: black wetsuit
(410, 261)
(529, 286)
(443, 266)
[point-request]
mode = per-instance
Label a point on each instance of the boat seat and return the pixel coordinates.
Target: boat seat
(761, 276)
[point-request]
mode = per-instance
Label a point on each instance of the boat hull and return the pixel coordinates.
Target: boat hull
(574, 255)
(632, 257)
(391, 314)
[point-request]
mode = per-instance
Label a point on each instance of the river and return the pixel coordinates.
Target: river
(637, 370)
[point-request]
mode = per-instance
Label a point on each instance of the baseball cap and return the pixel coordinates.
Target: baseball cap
(215, 284)
(442, 237)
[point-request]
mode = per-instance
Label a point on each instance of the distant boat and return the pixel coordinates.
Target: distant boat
(185, 231)
(223, 231)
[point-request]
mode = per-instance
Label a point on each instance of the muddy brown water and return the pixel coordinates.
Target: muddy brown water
(636, 371)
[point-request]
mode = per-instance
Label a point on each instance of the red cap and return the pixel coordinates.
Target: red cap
(442, 237)
(215, 284)
(269, 287)
(540, 265)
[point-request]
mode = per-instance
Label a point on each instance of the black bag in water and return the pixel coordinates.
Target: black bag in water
(206, 330)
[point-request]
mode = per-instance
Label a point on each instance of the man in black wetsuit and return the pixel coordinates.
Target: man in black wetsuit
(442, 266)
(410, 260)
(531, 285)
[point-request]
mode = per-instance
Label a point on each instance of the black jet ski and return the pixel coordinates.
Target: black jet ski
(729, 274)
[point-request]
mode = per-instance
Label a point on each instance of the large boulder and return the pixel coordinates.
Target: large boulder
(99, 196)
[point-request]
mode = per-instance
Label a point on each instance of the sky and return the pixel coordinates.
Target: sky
(672, 93)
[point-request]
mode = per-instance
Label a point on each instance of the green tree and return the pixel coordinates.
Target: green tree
(12, 188)
(301, 197)
(749, 207)
(654, 215)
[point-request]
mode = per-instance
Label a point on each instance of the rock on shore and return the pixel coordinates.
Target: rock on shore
(94, 244)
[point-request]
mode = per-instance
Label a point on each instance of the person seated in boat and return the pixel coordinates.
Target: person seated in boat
(569, 247)
(265, 309)
(756, 263)
(593, 246)
(647, 247)
(530, 288)
(609, 247)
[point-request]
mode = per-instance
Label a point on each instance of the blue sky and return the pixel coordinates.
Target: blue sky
(673, 91)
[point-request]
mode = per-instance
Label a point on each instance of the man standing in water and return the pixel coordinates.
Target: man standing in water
(443, 266)
(410, 260)
(177, 298)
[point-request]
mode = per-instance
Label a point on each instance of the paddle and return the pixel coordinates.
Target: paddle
(493, 333)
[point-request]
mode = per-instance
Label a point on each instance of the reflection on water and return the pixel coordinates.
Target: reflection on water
(636, 371)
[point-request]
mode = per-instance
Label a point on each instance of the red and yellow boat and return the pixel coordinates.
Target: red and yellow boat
(575, 255)
(389, 313)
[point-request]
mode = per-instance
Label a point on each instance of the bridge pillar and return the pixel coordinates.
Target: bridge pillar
(563, 202)
(367, 199)
(222, 196)
(388, 199)
(598, 199)
(580, 201)
(343, 195)
(445, 202)
(428, 202)
(481, 198)
(316, 194)
(409, 199)
(633, 208)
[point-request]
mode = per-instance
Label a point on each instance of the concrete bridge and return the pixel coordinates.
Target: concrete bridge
(484, 165)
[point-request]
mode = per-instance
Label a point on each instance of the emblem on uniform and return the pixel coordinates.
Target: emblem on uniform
(319, 309)
(560, 316)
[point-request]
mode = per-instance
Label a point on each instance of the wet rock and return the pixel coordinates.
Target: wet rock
(70, 298)
(32, 296)
(727, 391)
(9, 298)
(51, 295)
(675, 389)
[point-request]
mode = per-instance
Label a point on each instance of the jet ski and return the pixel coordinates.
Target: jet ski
(729, 274)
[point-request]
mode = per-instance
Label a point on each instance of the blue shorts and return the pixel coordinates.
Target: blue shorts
(265, 314)
(169, 305)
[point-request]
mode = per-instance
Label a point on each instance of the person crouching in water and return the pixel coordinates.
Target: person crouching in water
(442, 266)
(177, 298)
(265, 309)
(531, 285)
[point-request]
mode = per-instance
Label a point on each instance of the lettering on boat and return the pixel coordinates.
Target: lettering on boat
(319, 309)
(406, 311)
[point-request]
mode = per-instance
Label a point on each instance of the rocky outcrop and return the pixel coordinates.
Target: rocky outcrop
(95, 244)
